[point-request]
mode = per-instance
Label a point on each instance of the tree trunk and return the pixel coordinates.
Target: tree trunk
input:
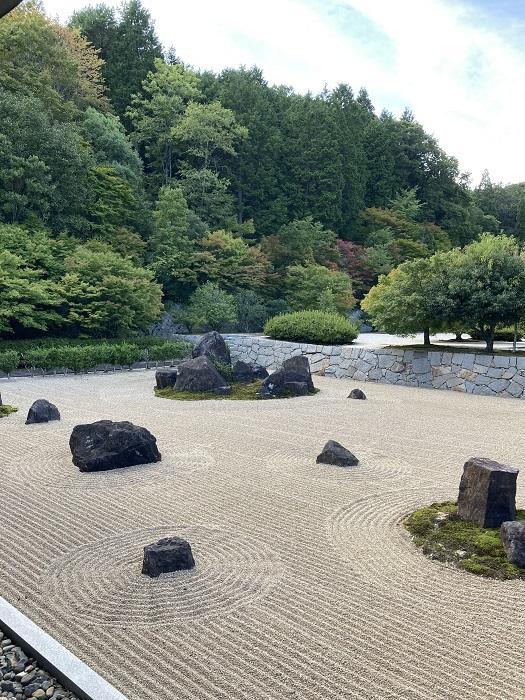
(458, 335)
(489, 339)
(426, 336)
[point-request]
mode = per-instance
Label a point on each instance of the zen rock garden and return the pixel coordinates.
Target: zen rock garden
(483, 533)
(210, 374)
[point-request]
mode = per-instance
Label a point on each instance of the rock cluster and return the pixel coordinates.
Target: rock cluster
(168, 554)
(199, 374)
(292, 379)
(22, 677)
(42, 412)
(334, 453)
(111, 445)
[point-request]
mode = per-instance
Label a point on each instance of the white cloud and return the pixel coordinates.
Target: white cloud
(462, 81)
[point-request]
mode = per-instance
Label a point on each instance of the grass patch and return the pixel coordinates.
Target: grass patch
(240, 392)
(5, 410)
(443, 536)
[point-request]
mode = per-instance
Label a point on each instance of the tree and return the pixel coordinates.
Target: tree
(251, 311)
(131, 54)
(155, 111)
(232, 263)
(106, 294)
(401, 302)
(301, 242)
(210, 307)
(208, 196)
(486, 286)
(307, 287)
(520, 220)
(44, 61)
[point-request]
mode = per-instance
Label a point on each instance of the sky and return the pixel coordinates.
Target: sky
(458, 65)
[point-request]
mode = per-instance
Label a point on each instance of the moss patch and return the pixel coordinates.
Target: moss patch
(5, 410)
(443, 536)
(240, 392)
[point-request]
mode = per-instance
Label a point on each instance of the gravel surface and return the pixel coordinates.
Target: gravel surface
(306, 586)
(21, 677)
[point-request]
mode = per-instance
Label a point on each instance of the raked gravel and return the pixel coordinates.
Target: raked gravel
(306, 586)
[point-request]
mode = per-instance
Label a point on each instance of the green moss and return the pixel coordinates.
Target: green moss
(240, 392)
(474, 549)
(5, 410)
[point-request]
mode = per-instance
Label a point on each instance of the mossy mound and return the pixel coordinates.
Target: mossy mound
(443, 536)
(240, 392)
(5, 410)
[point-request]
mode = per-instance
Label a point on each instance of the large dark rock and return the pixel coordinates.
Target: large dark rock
(298, 370)
(292, 379)
(513, 541)
(111, 445)
(357, 394)
(487, 492)
(42, 412)
(168, 554)
(199, 374)
(212, 345)
(165, 378)
(334, 453)
(244, 372)
(279, 385)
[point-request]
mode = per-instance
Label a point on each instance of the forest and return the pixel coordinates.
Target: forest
(132, 184)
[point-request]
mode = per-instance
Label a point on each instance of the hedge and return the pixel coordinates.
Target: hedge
(80, 358)
(318, 327)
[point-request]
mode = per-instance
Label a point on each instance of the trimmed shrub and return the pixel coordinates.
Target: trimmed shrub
(169, 350)
(9, 361)
(319, 327)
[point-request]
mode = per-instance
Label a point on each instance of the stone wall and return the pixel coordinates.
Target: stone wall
(472, 373)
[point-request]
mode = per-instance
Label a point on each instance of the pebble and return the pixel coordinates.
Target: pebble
(21, 677)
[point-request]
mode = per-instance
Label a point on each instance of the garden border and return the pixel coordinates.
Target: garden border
(67, 668)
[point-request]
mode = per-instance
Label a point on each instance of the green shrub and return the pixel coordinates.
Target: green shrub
(225, 370)
(319, 327)
(169, 350)
(9, 361)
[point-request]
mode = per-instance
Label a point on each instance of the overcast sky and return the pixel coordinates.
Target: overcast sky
(459, 65)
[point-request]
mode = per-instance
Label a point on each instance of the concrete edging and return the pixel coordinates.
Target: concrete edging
(68, 669)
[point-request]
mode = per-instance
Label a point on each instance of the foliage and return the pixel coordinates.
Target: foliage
(466, 545)
(107, 294)
(210, 307)
(306, 288)
(9, 361)
(252, 312)
(6, 410)
(301, 242)
(312, 327)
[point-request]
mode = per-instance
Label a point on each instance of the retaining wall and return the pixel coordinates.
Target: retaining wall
(472, 373)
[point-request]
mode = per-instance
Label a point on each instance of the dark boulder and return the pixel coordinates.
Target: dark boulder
(357, 394)
(487, 492)
(42, 412)
(260, 372)
(244, 372)
(212, 345)
(197, 375)
(168, 554)
(513, 540)
(111, 445)
(165, 378)
(334, 453)
(281, 384)
(297, 369)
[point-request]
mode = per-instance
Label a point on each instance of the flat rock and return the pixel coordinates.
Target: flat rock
(212, 345)
(298, 370)
(168, 554)
(334, 453)
(357, 394)
(243, 372)
(199, 374)
(42, 412)
(279, 385)
(513, 540)
(487, 492)
(165, 378)
(106, 444)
